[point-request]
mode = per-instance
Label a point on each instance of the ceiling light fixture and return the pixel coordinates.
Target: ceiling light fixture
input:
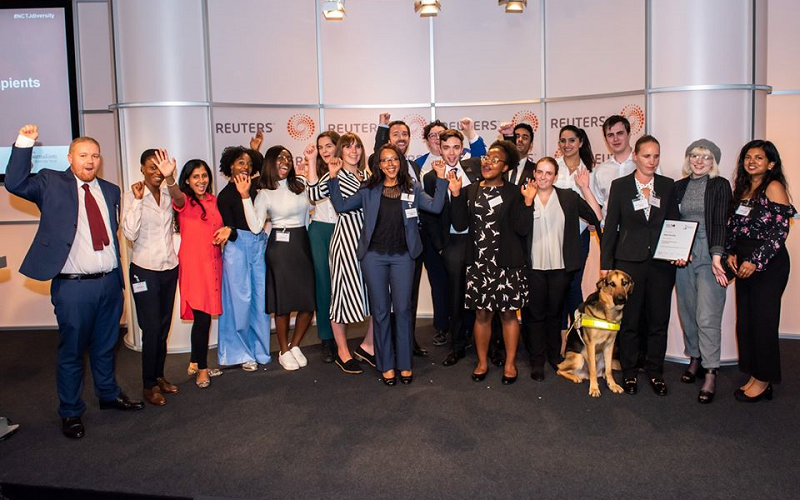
(333, 10)
(427, 8)
(513, 6)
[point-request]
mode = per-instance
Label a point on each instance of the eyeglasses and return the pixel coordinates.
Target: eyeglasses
(393, 159)
(493, 161)
(695, 157)
(283, 159)
(544, 173)
(433, 135)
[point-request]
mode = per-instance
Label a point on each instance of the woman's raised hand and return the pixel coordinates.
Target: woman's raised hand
(529, 190)
(454, 183)
(242, 182)
(334, 166)
(439, 167)
(165, 166)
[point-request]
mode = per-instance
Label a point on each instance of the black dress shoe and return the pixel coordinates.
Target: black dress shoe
(72, 427)
(440, 338)
(537, 373)
(326, 350)
(452, 358)
(406, 379)
(123, 403)
(390, 381)
(659, 386)
(508, 380)
(362, 355)
(744, 398)
(479, 377)
(630, 385)
(419, 351)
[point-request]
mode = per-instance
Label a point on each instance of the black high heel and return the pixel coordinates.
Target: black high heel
(406, 379)
(390, 381)
(479, 377)
(690, 376)
(706, 397)
(744, 398)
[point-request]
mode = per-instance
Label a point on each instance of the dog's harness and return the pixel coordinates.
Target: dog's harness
(582, 319)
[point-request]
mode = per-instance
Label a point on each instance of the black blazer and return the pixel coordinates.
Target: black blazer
(527, 172)
(628, 234)
(574, 208)
(436, 228)
(516, 220)
(717, 201)
(381, 138)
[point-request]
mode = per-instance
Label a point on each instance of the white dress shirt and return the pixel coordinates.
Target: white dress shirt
(285, 208)
(148, 225)
(606, 173)
(83, 258)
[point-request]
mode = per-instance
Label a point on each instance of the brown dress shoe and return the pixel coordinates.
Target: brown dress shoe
(154, 396)
(166, 386)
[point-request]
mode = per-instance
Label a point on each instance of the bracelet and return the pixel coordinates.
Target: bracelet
(173, 183)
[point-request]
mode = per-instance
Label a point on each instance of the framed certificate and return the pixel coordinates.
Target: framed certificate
(676, 240)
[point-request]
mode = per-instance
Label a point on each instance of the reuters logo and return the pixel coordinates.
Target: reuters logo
(301, 127)
(526, 116)
(416, 123)
(635, 115)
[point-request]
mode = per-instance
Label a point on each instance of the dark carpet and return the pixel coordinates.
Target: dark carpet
(319, 433)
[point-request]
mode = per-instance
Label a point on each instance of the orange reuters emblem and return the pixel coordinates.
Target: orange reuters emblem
(301, 127)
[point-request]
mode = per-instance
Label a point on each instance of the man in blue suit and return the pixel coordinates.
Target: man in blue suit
(76, 247)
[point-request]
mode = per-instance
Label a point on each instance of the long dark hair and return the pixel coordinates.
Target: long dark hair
(742, 181)
(322, 167)
(269, 172)
(403, 179)
(585, 151)
(183, 184)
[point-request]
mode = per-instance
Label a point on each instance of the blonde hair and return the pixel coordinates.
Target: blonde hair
(687, 165)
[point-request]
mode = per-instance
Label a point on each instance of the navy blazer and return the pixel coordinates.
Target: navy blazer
(628, 235)
(516, 221)
(437, 227)
(370, 200)
(56, 195)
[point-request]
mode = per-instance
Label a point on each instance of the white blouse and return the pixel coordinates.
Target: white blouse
(149, 226)
(285, 209)
(548, 234)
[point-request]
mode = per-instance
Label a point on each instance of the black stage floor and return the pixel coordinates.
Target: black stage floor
(318, 433)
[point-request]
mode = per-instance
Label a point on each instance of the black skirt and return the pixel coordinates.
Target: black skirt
(290, 272)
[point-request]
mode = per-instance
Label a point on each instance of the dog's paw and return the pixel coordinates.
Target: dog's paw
(594, 391)
(615, 388)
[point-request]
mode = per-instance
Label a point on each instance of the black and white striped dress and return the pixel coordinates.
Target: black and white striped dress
(349, 302)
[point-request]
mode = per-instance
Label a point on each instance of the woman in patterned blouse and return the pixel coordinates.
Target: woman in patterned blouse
(757, 231)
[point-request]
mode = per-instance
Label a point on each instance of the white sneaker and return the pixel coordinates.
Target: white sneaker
(298, 355)
(250, 366)
(287, 361)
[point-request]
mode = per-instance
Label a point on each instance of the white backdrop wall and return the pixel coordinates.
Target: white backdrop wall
(205, 74)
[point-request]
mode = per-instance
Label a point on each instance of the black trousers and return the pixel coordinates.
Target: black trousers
(154, 304)
(652, 295)
(455, 263)
(758, 314)
(541, 318)
(437, 277)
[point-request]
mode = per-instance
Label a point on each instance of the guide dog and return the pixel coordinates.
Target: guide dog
(591, 340)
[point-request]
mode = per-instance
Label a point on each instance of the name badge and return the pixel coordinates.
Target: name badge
(743, 210)
(139, 287)
(409, 197)
(639, 204)
(282, 236)
(495, 201)
(655, 201)
(411, 213)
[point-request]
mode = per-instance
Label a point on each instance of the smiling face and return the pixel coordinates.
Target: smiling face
(756, 162)
(198, 181)
(569, 144)
(493, 165)
(284, 164)
(84, 159)
(326, 148)
(390, 165)
(242, 165)
(433, 140)
(523, 141)
(544, 175)
(647, 159)
(400, 137)
(152, 175)
(351, 153)
(700, 161)
(451, 151)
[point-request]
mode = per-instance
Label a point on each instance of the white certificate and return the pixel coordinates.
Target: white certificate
(676, 240)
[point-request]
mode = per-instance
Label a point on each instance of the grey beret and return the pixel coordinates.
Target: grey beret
(705, 144)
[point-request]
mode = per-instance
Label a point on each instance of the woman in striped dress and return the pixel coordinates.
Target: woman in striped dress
(349, 302)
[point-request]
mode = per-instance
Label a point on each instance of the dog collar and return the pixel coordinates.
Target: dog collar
(598, 323)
